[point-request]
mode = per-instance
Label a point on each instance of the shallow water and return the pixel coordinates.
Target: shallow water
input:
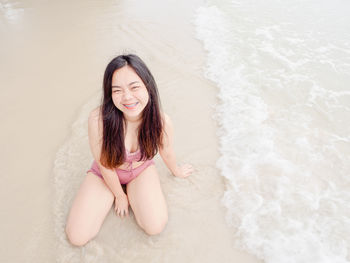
(282, 72)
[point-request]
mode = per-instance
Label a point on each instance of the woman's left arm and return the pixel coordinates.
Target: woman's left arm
(167, 151)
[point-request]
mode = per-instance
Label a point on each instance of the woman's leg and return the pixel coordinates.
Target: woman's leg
(89, 209)
(147, 201)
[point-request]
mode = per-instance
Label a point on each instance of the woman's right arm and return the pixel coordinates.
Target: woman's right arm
(95, 132)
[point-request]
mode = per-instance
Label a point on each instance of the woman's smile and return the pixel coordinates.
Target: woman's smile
(131, 105)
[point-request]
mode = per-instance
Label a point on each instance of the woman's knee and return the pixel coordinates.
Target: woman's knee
(156, 227)
(77, 237)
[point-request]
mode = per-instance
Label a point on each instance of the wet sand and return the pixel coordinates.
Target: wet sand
(53, 58)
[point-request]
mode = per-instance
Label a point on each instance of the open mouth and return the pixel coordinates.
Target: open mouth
(130, 106)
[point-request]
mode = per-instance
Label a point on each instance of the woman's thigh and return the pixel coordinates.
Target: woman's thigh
(89, 209)
(147, 201)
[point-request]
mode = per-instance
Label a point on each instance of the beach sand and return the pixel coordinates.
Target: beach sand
(52, 63)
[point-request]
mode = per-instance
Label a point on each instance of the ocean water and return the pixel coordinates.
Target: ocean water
(282, 71)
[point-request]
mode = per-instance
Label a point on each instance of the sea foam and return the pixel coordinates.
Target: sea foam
(282, 72)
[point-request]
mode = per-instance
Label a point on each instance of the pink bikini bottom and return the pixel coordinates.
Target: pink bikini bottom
(125, 176)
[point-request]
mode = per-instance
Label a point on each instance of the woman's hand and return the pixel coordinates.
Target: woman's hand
(121, 205)
(184, 171)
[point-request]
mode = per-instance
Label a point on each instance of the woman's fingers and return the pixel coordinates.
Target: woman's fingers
(126, 212)
(188, 169)
(122, 212)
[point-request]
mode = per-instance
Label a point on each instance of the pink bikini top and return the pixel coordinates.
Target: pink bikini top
(132, 157)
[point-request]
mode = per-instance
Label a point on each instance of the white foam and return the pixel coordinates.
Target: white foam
(67, 176)
(284, 125)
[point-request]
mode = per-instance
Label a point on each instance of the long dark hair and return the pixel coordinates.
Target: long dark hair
(151, 128)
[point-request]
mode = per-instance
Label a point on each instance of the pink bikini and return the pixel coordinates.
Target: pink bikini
(125, 176)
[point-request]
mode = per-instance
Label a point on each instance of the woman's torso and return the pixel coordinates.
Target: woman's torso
(132, 149)
(131, 160)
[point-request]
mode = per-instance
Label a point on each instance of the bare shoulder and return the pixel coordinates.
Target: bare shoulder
(95, 113)
(166, 119)
(167, 125)
(94, 116)
(95, 132)
(95, 122)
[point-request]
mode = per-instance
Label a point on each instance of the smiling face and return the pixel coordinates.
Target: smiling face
(129, 93)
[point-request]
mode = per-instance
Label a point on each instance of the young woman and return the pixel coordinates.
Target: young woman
(125, 133)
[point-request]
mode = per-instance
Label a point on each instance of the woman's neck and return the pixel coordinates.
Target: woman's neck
(132, 124)
(133, 120)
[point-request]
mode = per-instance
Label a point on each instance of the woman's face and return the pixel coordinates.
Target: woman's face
(129, 93)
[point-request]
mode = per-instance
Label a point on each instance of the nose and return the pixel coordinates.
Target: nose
(127, 95)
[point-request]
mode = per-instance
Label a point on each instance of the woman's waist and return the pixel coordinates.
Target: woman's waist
(127, 166)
